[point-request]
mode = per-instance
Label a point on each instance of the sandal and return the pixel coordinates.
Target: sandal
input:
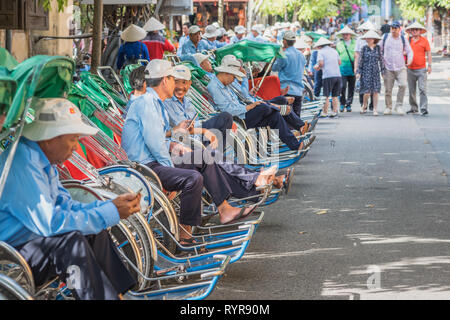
(287, 181)
(240, 216)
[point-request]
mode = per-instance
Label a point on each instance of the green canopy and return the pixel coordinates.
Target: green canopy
(315, 36)
(125, 73)
(39, 76)
(7, 60)
(248, 50)
(8, 87)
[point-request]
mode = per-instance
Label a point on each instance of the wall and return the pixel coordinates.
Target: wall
(58, 26)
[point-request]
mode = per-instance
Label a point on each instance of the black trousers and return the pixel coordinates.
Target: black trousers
(263, 116)
(317, 82)
(221, 122)
(347, 90)
(198, 169)
(293, 119)
(90, 264)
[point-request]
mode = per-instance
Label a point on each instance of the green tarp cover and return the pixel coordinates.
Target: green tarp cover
(97, 84)
(315, 36)
(39, 76)
(8, 87)
(7, 60)
(125, 73)
(248, 50)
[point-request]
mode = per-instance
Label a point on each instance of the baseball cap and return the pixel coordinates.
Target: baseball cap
(56, 117)
(200, 57)
(194, 29)
(158, 68)
(182, 72)
(289, 35)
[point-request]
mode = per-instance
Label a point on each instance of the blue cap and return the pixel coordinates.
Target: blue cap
(396, 24)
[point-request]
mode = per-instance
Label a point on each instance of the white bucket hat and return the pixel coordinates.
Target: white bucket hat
(320, 31)
(211, 32)
(322, 42)
(230, 64)
(416, 25)
(231, 33)
(200, 57)
(133, 33)
(366, 26)
(182, 72)
(371, 34)
(56, 117)
(158, 68)
(239, 30)
(346, 30)
(153, 25)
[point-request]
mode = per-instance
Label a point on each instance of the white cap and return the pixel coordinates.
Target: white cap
(158, 68)
(230, 64)
(133, 33)
(56, 117)
(289, 35)
(194, 29)
(211, 32)
(153, 25)
(216, 24)
(200, 57)
(182, 72)
(239, 29)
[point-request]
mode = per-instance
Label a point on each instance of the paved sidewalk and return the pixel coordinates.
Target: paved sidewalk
(367, 216)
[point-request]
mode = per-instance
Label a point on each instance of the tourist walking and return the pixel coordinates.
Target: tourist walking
(418, 70)
(394, 48)
(370, 65)
(346, 50)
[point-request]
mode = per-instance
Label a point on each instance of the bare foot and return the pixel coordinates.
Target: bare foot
(278, 181)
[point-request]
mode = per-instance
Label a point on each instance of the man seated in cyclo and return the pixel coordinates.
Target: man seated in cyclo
(242, 87)
(255, 114)
(179, 169)
(180, 109)
(54, 233)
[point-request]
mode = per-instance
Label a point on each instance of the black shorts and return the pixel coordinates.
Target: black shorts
(332, 86)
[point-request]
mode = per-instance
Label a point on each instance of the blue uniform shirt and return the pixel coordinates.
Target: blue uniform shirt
(290, 71)
(258, 38)
(144, 132)
(182, 40)
(34, 203)
(225, 99)
(179, 111)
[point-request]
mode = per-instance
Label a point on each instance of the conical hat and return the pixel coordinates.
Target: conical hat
(153, 25)
(133, 33)
(322, 42)
(306, 38)
(347, 30)
(371, 34)
(366, 26)
(416, 25)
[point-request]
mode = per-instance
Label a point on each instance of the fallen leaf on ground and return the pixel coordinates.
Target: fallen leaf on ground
(370, 206)
(322, 211)
(302, 232)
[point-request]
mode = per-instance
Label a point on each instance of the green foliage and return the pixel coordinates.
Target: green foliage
(416, 9)
(47, 4)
